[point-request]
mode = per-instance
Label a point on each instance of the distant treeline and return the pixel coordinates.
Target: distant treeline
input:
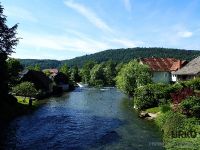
(116, 55)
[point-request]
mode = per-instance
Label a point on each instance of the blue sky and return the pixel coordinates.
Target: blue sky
(63, 29)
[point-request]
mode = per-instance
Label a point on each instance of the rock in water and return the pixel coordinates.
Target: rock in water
(144, 115)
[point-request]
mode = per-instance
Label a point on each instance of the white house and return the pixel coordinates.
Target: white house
(162, 68)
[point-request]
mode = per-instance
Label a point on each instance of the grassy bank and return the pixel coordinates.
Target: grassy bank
(25, 101)
(180, 132)
(9, 111)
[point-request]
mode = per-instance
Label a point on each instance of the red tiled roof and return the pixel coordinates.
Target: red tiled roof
(53, 72)
(163, 64)
(177, 65)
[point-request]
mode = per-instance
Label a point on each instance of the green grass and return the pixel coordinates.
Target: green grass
(21, 100)
(153, 110)
(172, 121)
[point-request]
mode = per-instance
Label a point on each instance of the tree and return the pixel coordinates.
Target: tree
(35, 68)
(119, 67)
(14, 67)
(97, 75)
(85, 72)
(8, 41)
(75, 74)
(109, 73)
(25, 89)
(47, 73)
(65, 69)
(131, 76)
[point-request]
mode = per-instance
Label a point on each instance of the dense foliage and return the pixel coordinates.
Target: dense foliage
(14, 67)
(116, 55)
(65, 69)
(191, 106)
(85, 71)
(97, 77)
(151, 95)
(44, 64)
(75, 74)
(131, 76)
(179, 131)
(36, 67)
(8, 41)
(25, 89)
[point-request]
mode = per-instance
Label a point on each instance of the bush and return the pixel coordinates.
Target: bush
(195, 83)
(176, 87)
(191, 106)
(151, 95)
(170, 122)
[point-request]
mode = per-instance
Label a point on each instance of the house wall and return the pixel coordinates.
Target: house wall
(161, 77)
(174, 78)
(65, 87)
(185, 77)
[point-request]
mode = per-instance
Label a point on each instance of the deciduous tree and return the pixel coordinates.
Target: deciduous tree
(131, 76)
(25, 89)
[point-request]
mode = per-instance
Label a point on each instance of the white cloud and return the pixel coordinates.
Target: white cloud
(127, 5)
(72, 41)
(184, 34)
(89, 14)
(62, 42)
(20, 13)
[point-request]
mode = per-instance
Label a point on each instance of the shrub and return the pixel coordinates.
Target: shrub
(151, 95)
(191, 106)
(170, 122)
(195, 83)
(176, 87)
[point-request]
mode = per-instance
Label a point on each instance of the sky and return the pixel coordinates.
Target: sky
(64, 29)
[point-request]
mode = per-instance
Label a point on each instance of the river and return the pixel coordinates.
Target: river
(83, 119)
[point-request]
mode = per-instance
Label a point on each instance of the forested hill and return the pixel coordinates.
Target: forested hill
(117, 55)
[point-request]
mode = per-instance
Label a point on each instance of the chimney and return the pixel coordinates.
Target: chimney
(179, 64)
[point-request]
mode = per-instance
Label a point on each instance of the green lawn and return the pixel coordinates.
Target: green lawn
(153, 110)
(21, 100)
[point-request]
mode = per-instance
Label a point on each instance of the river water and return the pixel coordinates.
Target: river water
(82, 120)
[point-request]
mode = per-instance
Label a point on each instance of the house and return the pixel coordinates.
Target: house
(189, 71)
(52, 72)
(62, 81)
(40, 80)
(162, 68)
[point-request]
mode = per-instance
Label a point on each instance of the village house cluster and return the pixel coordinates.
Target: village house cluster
(53, 83)
(169, 70)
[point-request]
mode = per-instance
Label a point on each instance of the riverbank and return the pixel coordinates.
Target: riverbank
(179, 131)
(19, 106)
(9, 111)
